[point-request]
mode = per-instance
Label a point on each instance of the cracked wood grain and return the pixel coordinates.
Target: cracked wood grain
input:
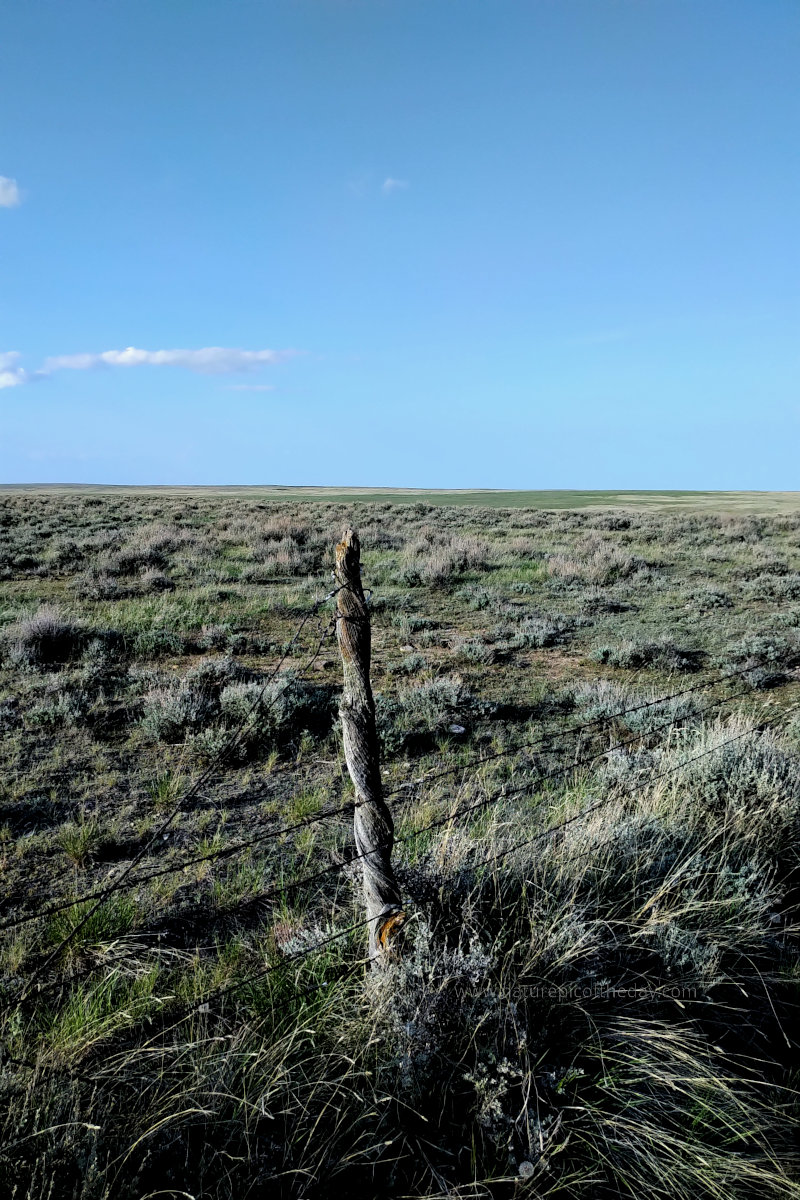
(373, 826)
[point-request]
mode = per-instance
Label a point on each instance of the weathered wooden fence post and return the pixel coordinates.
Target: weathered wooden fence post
(373, 826)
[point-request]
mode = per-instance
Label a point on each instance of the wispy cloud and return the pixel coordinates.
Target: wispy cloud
(394, 185)
(10, 374)
(211, 360)
(249, 387)
(10, 195)
(12, 378)
(357, 185)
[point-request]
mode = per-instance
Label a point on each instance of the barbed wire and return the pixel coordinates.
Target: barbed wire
(608, 799)
(544, 742)
(227, 989)
(202, 1004)
(123, 881)
(480, 760)
(504, 794)
(221, 756)
(285, 889)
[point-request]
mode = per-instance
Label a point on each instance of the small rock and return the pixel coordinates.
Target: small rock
(457, 729)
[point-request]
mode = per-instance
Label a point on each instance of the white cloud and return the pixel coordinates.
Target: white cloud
(208, 361)
(12, 378)
(394, 185)
(10, 374)
(10, 195)
(211, 360)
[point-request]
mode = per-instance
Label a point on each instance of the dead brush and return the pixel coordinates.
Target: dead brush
(48, 638)
(151, 546)
(598, 562)
(435, 560)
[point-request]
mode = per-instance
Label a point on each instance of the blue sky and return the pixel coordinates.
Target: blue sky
(489, 243)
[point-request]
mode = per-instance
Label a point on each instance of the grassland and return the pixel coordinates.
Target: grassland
(607, 1010)
(713, 502)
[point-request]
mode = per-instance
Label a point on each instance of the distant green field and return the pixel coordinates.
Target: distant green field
(766, 502)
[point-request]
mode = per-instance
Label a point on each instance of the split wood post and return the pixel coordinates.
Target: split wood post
(373, 826)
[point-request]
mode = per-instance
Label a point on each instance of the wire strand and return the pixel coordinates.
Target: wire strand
(228, 989)
(221, 756)
(544, 742)
(285, 889)
(201, 1004)
(478, 761)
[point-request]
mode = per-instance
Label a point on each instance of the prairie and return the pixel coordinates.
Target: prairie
(587, 711)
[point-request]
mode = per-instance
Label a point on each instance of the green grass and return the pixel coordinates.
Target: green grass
(607, 1011)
